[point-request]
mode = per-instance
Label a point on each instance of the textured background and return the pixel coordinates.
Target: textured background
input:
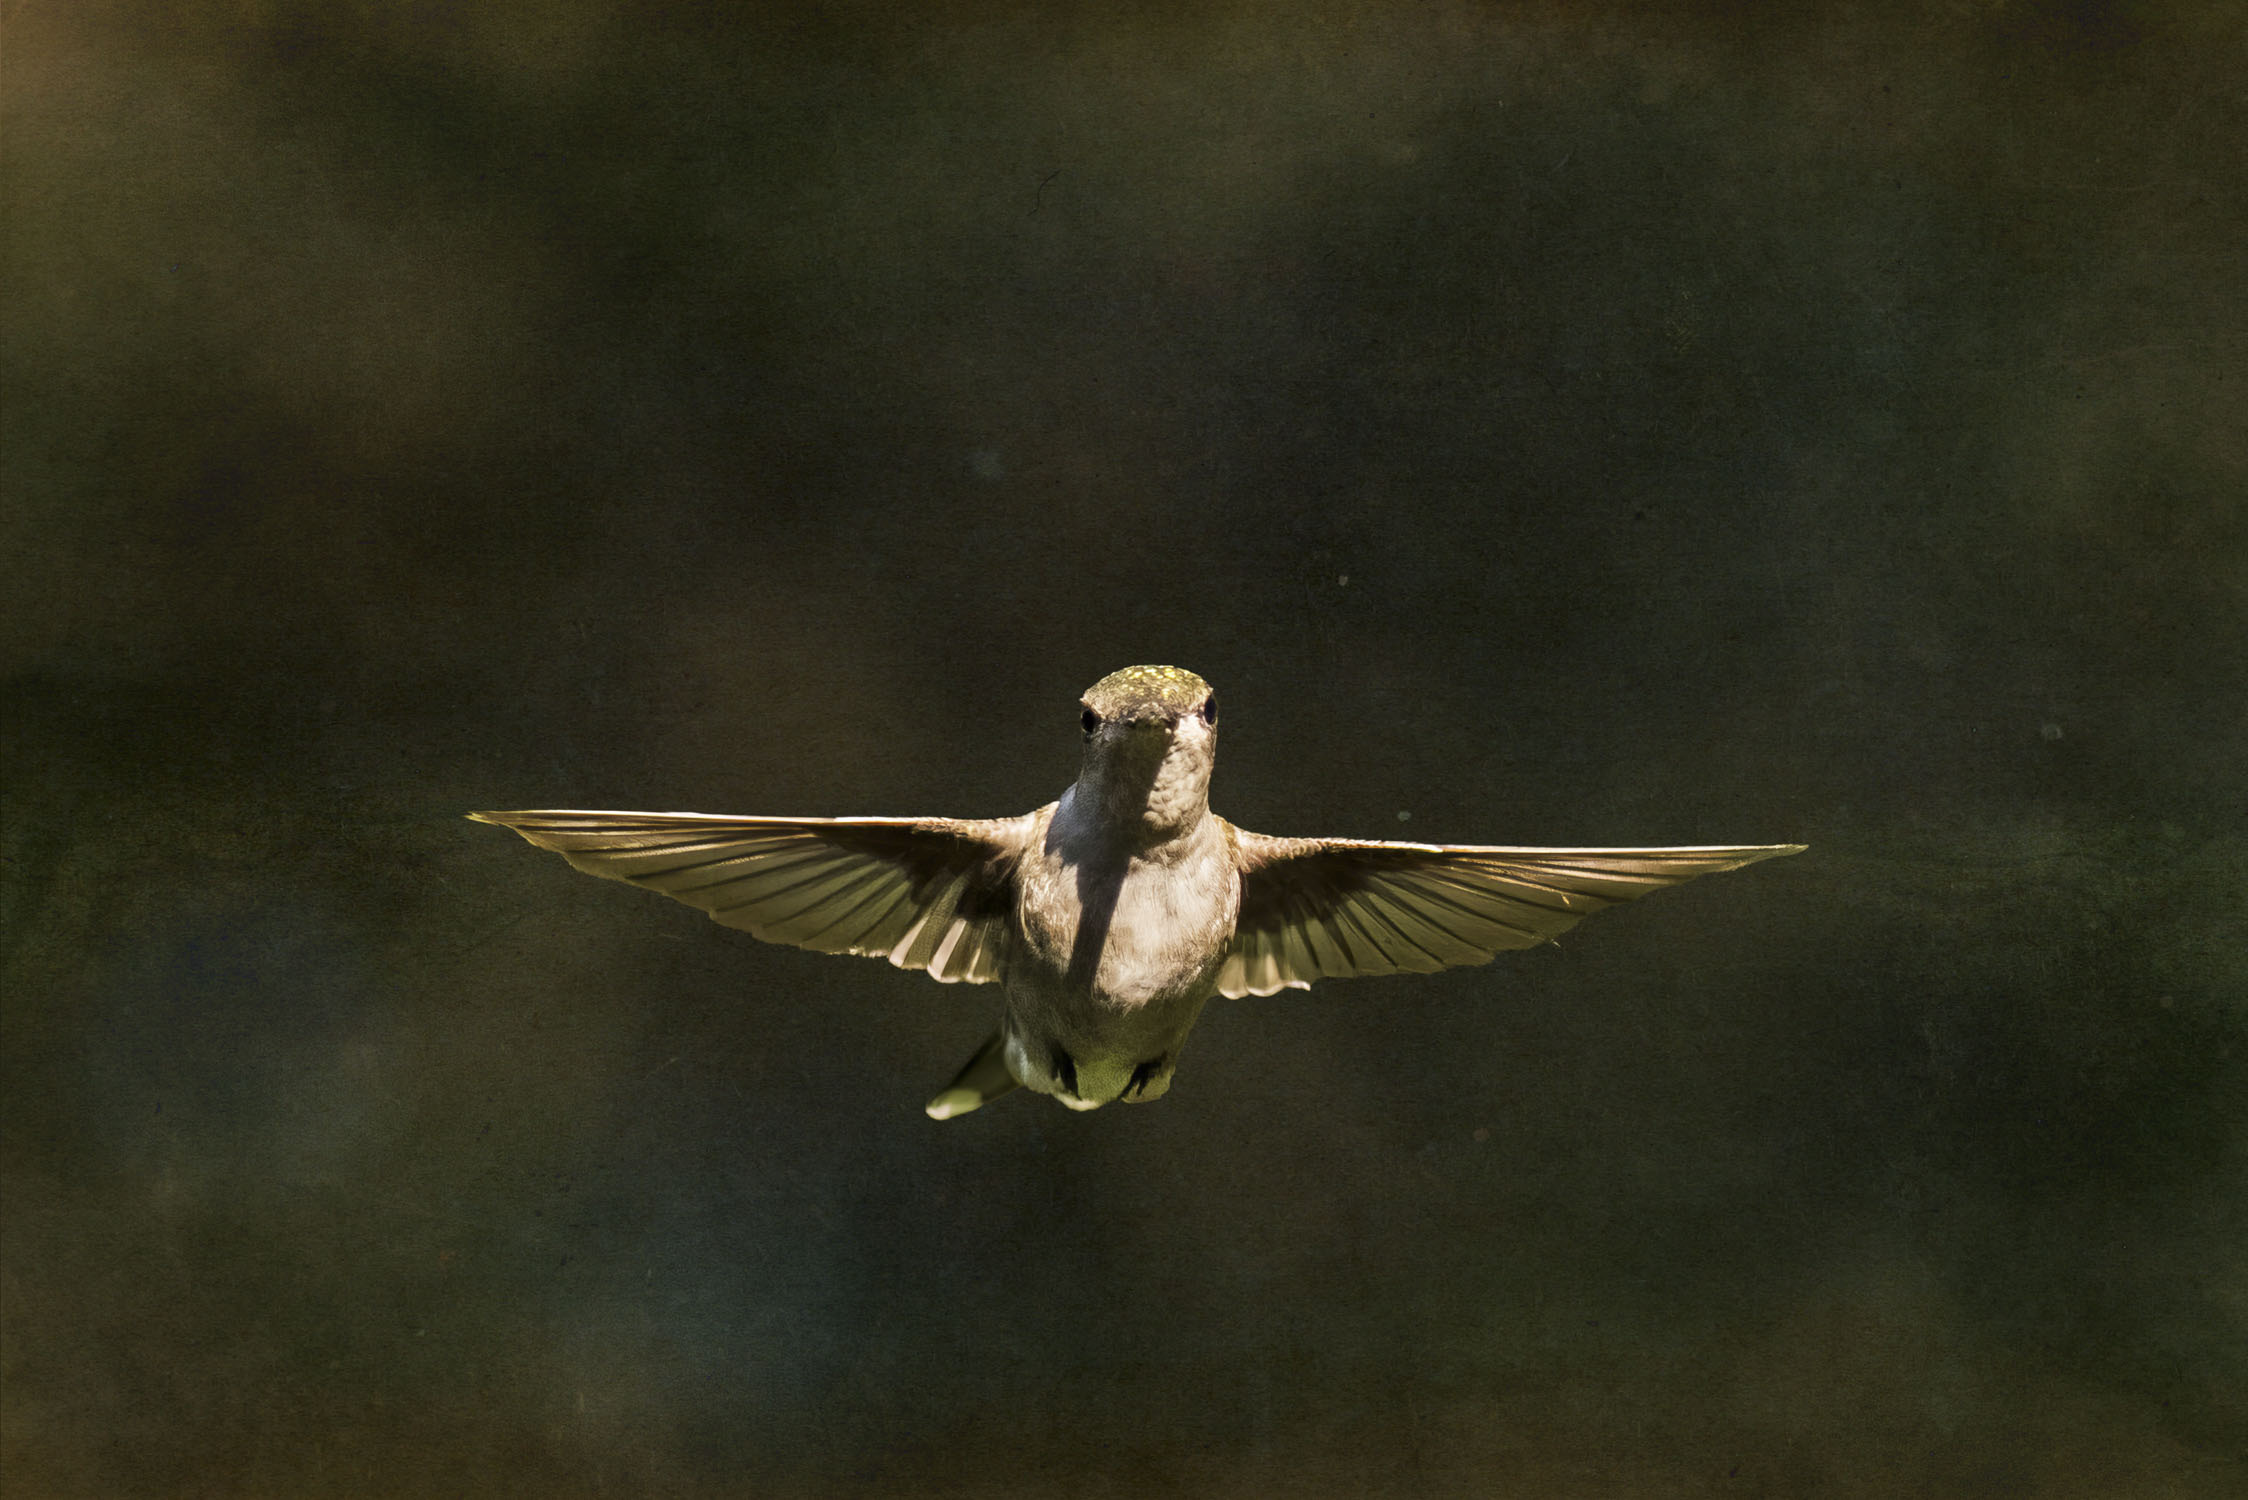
(1563, 424)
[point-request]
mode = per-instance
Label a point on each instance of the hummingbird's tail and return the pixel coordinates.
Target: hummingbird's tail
(984, 1079)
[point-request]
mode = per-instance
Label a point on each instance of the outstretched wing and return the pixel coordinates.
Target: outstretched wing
(1330, 908)
(925, 893)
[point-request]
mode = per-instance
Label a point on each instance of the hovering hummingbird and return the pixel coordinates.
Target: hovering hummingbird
(1109, 917)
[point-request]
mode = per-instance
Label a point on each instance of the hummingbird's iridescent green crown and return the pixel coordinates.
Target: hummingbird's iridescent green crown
(1174, 690)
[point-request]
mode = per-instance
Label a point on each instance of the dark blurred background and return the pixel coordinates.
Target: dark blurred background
(1599, 423)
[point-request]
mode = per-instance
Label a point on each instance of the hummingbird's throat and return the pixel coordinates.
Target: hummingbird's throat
(1154, 790)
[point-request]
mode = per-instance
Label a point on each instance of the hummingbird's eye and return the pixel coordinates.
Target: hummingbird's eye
(1091, 721)
(1210, 710)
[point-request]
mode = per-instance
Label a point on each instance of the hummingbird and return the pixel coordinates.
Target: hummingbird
(1109, 917)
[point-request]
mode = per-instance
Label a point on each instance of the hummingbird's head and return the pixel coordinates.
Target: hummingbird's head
(1151, 740)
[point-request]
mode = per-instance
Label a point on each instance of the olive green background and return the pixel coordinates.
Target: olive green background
(1598, 423)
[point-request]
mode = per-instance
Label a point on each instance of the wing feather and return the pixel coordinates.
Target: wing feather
(1442, 948)
(1233, 976)
(919, 945)
(925, 893)
(773, 902)
(1297, 963)
(1331, 908)
(1453, 929)
(1261, 970)
(1330, 958)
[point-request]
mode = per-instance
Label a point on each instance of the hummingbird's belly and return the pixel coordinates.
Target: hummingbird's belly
(1090, 1057)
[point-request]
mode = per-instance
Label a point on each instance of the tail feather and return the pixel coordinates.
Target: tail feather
(984, 1079)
